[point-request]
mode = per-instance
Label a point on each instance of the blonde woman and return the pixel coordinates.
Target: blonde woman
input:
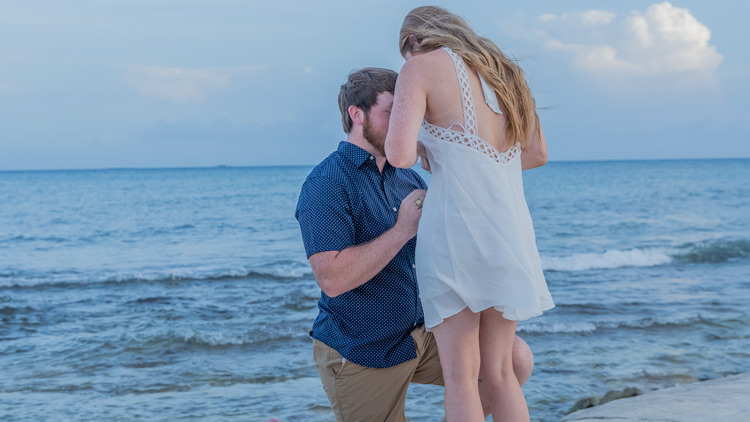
(478, 267)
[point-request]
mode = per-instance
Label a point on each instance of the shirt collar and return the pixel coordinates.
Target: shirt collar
(355, 154)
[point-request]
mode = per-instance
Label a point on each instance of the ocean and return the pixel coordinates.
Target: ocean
(185, 294)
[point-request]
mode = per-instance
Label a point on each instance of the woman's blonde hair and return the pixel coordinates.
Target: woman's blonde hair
(430, 27)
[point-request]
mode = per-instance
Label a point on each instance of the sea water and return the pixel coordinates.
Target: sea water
(185, 294)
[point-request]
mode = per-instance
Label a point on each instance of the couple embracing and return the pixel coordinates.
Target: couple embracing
(440, 308)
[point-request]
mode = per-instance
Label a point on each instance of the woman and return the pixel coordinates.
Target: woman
(477, 264)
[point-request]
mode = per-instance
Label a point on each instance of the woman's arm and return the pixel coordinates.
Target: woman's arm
(535, 155)
(409, 106)
(423, 159)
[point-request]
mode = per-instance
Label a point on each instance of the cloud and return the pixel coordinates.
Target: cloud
(597, 58)
(664, 40)
(182, 85)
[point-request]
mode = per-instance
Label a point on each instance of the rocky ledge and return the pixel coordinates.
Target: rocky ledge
(720, 400)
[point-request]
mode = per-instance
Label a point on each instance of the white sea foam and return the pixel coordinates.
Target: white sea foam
(607, 260)
(655, 322)
(280, 270)
(215, 339)
(285, 270)
(223, 339)
(588, 327)
(557, 328)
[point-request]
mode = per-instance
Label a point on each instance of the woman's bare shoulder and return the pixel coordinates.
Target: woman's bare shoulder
(429, 66)
(430, 58)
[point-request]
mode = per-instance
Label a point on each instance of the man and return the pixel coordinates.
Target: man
(359, 217)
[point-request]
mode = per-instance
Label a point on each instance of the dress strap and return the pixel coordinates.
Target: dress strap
(467, 99)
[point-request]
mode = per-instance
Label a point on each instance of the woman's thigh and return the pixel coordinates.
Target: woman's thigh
(457, 339)
(496, 336)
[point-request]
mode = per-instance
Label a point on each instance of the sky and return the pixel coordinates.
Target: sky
(88, 84)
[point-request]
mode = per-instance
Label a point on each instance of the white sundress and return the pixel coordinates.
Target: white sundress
(476, 245)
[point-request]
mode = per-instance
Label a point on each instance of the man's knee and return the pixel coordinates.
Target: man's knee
(523, 360)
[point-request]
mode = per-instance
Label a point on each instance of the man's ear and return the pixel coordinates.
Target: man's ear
(356, 114)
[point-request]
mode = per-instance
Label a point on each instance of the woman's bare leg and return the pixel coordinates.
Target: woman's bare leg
(523, 365)
(457, 339)
(496, 336)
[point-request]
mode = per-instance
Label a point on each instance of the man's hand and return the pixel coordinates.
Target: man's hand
(338, 272)
(409, 213)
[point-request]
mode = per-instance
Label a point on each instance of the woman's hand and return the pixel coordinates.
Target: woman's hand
(422, 153)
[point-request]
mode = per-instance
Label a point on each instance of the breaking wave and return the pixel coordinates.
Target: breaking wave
(286, 270)
(708, 252)
(591, 327)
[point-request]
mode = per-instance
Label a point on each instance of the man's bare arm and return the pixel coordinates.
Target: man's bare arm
(338, 272)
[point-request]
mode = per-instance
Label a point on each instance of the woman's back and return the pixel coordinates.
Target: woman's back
(444, 105)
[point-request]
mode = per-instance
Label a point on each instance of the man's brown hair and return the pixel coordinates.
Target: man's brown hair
(362, 89)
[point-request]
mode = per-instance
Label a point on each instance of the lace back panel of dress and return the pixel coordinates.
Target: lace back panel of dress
(469, 137)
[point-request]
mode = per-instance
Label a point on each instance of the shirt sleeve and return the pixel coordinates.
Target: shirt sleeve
(325, 216)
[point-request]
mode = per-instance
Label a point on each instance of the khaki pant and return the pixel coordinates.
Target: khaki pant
(361, 394)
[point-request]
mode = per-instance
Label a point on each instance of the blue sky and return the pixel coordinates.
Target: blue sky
(181, 83)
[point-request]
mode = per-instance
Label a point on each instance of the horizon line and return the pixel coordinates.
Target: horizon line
(226, 166)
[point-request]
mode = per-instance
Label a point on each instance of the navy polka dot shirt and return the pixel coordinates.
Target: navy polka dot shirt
(347, 201)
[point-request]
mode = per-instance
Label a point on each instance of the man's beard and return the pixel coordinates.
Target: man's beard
(377, 140)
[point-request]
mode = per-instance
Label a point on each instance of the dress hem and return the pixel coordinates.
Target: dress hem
(532, 314)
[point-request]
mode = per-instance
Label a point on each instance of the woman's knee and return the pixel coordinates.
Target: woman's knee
(464, 370)
(497, 377)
